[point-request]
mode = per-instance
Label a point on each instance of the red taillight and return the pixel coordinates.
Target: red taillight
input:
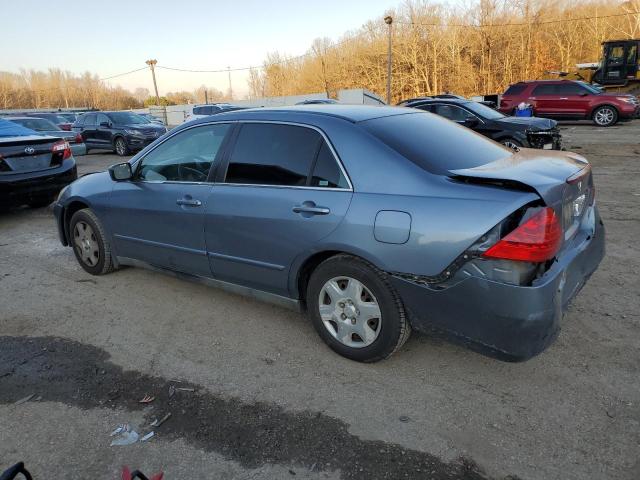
(65, 126)
(78, 138)
(536, 240)
(62, 146)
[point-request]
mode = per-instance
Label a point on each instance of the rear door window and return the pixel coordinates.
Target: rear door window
(545, 90)
(569, 89)
(89, 120)
(434, 143)
(273, 154)
(327, 172)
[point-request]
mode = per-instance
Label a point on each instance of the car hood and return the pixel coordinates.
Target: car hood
(545, 172)
(533, 123)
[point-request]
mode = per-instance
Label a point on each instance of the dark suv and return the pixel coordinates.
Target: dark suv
(514, 132)
(570, 100)
(122, 132)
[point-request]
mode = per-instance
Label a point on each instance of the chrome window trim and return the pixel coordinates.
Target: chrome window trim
(336, 158)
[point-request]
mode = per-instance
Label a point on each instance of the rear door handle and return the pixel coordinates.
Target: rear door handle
(311, 208)
(189, 202)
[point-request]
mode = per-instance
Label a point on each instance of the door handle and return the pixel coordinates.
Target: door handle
(189, 202)
(311, 209)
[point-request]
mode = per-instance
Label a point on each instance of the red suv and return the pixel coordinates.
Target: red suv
(570, 100)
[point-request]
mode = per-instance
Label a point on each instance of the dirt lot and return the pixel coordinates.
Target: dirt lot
(271, 401)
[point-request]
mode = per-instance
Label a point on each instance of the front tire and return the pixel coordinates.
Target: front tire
(355, 309)
(90, 243)
(121, 147)
(605, 116)
(511, 143)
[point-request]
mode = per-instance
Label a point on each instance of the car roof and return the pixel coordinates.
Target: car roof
(350, 113)
(22, 117)
(457, 101)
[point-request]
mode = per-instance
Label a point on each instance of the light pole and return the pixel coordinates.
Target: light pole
(152, 64)
(389, 20)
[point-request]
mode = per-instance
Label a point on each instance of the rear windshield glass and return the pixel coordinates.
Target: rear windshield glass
(434, 143)
(37, 124)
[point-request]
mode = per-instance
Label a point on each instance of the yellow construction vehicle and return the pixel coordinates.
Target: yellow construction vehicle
(617, 71)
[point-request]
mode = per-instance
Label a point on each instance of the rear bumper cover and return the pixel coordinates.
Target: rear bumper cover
(509, 322)
(19, 188)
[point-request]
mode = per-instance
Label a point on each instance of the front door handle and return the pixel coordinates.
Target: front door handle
(189, 202)
(310, 208)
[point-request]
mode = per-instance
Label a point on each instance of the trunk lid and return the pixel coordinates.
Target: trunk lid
(27, 154)
(562, 179)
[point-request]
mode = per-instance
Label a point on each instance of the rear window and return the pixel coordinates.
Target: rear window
(434, 143)
(516, 89)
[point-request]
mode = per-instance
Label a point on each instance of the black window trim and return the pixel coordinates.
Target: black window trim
(225, 161)
(137, 162)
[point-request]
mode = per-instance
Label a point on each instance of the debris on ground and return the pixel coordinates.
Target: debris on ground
(129, 475)
(125, 435)
(25, 399)
(157, 423)
(186, 389)
(172, 390)
(147, 399)
(148, 436)
(403, 418)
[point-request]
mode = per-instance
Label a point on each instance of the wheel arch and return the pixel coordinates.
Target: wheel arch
(593, 110)
(71, 208)
(306, 266)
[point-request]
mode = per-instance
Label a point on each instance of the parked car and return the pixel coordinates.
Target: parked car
(318, 101)
(203, 111)
(375, 220)
(122, 132)
(570, 100)
(58, 119)
(151, 118)
(33, 167)
(513, 132)
(45, 127)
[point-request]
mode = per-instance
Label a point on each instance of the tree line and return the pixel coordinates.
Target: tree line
(56, 88)
(480, 49)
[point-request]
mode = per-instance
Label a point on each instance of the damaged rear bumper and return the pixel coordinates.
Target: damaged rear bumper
(509, 322)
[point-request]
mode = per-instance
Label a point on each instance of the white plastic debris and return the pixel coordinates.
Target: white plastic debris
(124, 435)
(148, 436)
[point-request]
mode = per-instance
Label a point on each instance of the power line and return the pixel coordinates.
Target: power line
(547, 22)
(123, 74)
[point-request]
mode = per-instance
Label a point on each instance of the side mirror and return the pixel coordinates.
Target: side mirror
(105, 124)
(121, 172)
(470, 122)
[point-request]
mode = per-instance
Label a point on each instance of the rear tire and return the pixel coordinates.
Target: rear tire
(90, 243)
(355, 309)
(605, 116)
(121, 147)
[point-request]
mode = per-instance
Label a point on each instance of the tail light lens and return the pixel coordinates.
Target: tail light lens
(536, 240)
(62, 146)
(78, 138)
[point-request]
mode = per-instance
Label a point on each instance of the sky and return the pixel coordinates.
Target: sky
(108, 38)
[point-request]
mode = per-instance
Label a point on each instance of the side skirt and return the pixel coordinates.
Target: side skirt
(288, 303)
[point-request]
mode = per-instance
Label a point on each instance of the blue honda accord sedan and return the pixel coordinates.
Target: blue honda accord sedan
(375, 220)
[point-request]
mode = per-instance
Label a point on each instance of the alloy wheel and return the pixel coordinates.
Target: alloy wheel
(350, 312)
(86, 243)
(120, 147)
(604, 116)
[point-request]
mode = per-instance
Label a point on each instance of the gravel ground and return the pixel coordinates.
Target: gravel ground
(262, 397)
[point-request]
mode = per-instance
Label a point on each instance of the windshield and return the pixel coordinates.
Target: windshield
(484, 111)
(37, 124)
(434, 143)
(591, 88)
(127, 118)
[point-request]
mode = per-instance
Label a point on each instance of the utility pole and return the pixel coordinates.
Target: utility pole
(389, 20)
(152, 64)
(230, 89)
(206, 96)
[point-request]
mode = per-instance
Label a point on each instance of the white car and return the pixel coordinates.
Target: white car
(201, 111)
